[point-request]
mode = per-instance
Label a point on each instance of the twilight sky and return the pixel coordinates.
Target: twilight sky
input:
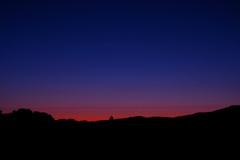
(89, 59)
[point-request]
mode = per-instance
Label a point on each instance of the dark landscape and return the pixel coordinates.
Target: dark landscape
(25, 120)
(204, 132)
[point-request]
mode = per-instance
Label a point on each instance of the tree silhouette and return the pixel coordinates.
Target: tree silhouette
(1, 115)
(111, 118)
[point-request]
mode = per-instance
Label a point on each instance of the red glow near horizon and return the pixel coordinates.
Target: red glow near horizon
(102, 108)
(103, 114)
(96, 114)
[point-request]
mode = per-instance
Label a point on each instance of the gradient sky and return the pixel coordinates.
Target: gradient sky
(90, 59)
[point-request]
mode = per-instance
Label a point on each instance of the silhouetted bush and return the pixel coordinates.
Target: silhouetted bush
(111, 118)
(1, 116)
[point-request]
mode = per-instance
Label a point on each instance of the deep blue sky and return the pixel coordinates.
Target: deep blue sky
(169, 57)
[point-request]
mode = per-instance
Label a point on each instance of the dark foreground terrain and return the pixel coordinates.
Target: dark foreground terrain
(215, 132)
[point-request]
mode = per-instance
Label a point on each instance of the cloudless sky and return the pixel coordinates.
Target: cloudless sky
(90, 59)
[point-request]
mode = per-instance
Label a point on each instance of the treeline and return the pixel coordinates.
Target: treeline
(25, 117)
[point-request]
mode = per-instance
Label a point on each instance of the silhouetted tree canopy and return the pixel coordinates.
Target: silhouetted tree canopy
(26, 117)
(111, 118)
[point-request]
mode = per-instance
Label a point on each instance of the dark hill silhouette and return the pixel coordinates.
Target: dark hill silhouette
(26, 117)
(229, 113)
(225, 117)
(213, 122)
(197, 134)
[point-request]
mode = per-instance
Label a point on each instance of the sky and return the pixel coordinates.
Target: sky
(90, 59)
